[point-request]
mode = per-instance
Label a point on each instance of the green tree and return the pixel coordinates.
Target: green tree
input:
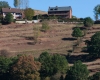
(52, 64)
(25, 68)
(4, 4)
(29, 13)
(96, 16)
(77, 32)
(94, 47)
(9, 18)
(78, 71)
(45, 26)
(88, 22)
(5, 64)
(16, 3)
(96, 76)
(97, 11)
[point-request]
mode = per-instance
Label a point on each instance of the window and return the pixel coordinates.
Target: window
(51, 9)
(55, 9)
(18, 13)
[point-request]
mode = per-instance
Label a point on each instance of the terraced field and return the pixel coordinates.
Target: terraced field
(18, 39)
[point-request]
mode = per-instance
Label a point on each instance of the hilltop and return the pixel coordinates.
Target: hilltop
(37, 12)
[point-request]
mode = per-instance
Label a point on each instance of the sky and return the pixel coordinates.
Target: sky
(80, 8)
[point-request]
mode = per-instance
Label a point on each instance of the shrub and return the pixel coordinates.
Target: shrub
(78, 71)
(52, 64)
(9, 18)
(77, 32)
(88, 22)
(94, 45)
(29, 13)
(45, 26)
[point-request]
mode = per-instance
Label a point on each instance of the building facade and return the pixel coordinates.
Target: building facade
(17, 13)
(64, 12)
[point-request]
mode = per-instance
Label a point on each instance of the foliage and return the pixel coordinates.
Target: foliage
(45, 26)
(60, 19)
(25, 68)
(51, 64)
(94, 47)
(77, 32)
(16, 3)
(36, 34)
(5, 64)
(96, 76)
(4, 4)
(88, 22)
(52, 17)
(9, 18)
(78, 71)
(97, 11)
(29, 13)
(96, 16)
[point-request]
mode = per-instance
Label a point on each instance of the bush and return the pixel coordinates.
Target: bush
(96, 76)
(77, 32)
(97, 22)
(9, 18)
(45, 26)
(78, 71)
(52, 64)
(29, 13)
(94, 45)
(88, 22)
(70, 20)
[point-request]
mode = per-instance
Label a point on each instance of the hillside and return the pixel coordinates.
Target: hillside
(40, 12)
(18, 39)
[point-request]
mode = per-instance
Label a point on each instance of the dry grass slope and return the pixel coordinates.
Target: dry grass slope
(18, 39)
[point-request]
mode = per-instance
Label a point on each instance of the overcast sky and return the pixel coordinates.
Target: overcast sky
(80, 8)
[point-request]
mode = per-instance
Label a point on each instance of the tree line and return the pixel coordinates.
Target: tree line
(26, 67)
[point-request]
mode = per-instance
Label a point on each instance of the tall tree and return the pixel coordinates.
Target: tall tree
(78, 71)
(4, 4)
(25, 68)
(94, 47)
(51, 64)
(17, 3)
(97, 10)
(29, 13)
(96, 16)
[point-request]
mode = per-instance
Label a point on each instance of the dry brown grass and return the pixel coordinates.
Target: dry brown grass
(17, 38)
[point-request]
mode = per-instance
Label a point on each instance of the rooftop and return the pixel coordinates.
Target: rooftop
(67, 8)
(11, 10)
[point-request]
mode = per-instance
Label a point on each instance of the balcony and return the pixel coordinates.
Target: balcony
(58, 13)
